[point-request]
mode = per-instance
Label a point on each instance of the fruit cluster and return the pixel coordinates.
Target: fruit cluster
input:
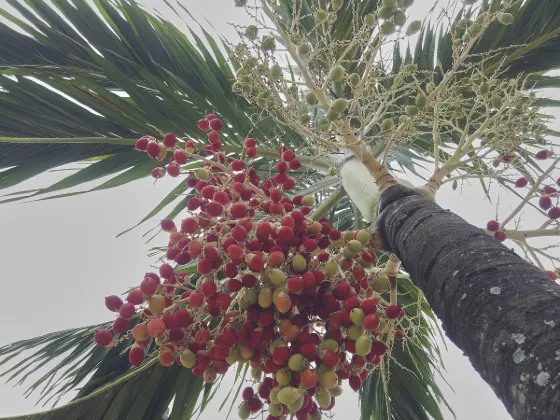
(294, 297)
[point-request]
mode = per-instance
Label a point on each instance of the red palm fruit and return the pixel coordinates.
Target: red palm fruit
(120, 325)
(543, 154)
(276, 259)
(247, 393)
(351, 302)
(152, 149)
(256, 262)
(204, 266)
(254, 405)
(223, 301)
(281, 355)
(103, 338)
(127, 311)
(291, 333)
(208, 192)
(545, 203)
(369, 306)
(157, 172)
(308, 378)
(264, 390)
(392, 311)
(166, 356)
(196, 299)
(493, 226)
(203, 124)
(136, 355)
(216, 124)
(134, 297)
(180, 157)
(295, 284)
(256, 337)
(500, 236)
(169, 140)
(330, 358)
(248, 280)
(183, 318)
(166, 271)
(282, 167)
(237, 165)
(355, 382)
(142, 143)
(547, 189)
(359, 273)
(285, 233)
(202, 336)
(350, 346)
(220, 351)
(213, 137)
(238, 210)
(275, 194)
(266, 319)
(378, 348)
(554, 213)
(209, 288)
(239, 233)
(309, 244)
(170, 321)
(214, 209)
(289, 185)
(233, 285)
(251, 152)
(371, 322)
(189, 225)
(399, 334)
(288, 156)
(250, 142)
(521, 182)
(341, 291)
(167, 225)
(156, 328)
(294, 164)
(148, 286)
(309, 351)
(113, 303)
(358, 361)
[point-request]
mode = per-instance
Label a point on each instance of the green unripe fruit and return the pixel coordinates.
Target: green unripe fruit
(311, 98)
(357, 316)
(370, 20)
(304, 48)
(363, 345)
(329, 344)
(243, 411)
(461, 24)
(388, 28)
(276, 72)
(288, 395)
(421, 100)
(336, 74)
(328, 380)
(411, 110)
(380, 283)
(308, 200)
(399, 18)
(354, 79)
(339, 105)
(251, 32)
(332, 115)
(299, 263)
(236, 87)
(354, 332)
(250, 296)
(321, 15)
(337, 4)
(247, 89)
(385, 12)
(240, 72)
(277, 276)
(250, 62)
(322, 122)
(331, 268)
(363, 236)
(410, 68)
(414, 27)
(188, 359)
(202, 174)
(506, 18)
(484, 88)
(275, 409)
(256, 374)
(336, 391)
(403, 119)
(405, 4)
(304, 119)
(297, 363)
(316, 415)
(387, 124)
(270, 101)
(348, 235)
(324, 368)
(496, 102)
(332, 171)
(355, 246)
(293, 91)
(346, 253)
(467, 37)
(261, 98)
(323, 397)
(283, 377)
(268, 43)
(273, 397)
(296, 405)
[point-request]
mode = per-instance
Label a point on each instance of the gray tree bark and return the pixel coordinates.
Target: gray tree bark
(502, 311)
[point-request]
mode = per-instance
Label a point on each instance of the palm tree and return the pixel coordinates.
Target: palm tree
(151, 78)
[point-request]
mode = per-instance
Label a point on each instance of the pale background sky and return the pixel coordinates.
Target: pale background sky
(61, 259)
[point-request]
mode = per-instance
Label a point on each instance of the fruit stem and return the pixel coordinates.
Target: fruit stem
(392, 271)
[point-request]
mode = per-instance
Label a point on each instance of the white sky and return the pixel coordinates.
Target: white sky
(61, 259)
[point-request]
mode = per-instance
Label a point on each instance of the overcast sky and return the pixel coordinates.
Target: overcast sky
(61, 258)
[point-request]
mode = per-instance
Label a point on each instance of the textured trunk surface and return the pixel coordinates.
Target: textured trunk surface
(503, 312)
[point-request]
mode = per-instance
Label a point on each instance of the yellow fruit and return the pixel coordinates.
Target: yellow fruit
(328, 380)
(277, 276)
(323, 397)
(355, 246)
(382, 328)
(283, 302)
(156, 304)
(265, 297)
(288, 395)
(355, 331)
(357, 316)
(336, 391)
(363, 345)
(245, 351)
(256, 374)
(250, 296)
(363, 236)
(233, 357)
(299, 263)
(308, 200)
(202, 174)
(188, 359)
(275, 409)
(325, 368)
(209, 375)
(304, 119)
(296, 405)
(243, 411)
(297, 363)
(329, 344)
(380, 283)
(331, 268)
(283, 377)
(273, 397)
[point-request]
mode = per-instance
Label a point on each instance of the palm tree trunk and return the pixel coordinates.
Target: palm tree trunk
(502, 311)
